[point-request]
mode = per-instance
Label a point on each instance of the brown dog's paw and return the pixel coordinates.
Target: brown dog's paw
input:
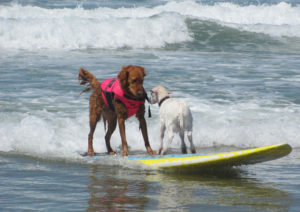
(112, 153)
(91, 153)
(125, 153)
(150, 151)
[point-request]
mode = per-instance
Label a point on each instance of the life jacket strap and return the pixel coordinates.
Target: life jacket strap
(109, 96)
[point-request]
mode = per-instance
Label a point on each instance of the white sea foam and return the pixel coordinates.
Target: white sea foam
(276, 20)
(46, 134)
(31, 27)
(35, 28)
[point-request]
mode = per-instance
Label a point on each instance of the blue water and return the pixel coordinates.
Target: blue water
(235, 62)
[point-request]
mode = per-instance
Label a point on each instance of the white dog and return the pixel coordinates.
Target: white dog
(175, 116)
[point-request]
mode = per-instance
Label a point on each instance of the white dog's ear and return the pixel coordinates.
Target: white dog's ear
(153, 91)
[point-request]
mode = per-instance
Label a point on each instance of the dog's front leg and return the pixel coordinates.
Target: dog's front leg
(162, 134)
(121, 123)
(143, 127)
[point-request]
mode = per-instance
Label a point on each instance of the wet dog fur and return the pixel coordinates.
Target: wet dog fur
(131, 80)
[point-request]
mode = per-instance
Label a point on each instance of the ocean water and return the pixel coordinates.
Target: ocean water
(235, 62)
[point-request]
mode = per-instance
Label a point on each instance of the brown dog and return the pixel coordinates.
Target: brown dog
(116, 99)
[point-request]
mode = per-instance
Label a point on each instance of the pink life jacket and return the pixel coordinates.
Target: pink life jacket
(111, 89)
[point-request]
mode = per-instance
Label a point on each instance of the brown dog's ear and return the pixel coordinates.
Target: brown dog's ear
(123, 76)
(144, 72)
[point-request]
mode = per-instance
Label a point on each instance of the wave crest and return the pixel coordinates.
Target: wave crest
(31, 27)
(37, 28)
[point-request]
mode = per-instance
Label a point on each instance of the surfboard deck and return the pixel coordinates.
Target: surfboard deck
(196, 161)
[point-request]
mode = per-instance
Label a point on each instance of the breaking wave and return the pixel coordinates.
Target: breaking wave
(32, 27)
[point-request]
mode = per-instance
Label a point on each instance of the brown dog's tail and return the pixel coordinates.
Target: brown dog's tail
(84, 77)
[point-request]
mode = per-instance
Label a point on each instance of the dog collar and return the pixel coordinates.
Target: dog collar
(161, 101)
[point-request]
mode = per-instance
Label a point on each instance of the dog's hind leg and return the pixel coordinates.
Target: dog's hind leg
(170, 139)
(95, 115)
(183, 146)
(112, 123)
(190, 137)
(93, 124)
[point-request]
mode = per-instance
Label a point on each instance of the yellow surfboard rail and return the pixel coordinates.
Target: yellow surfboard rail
(235, 158)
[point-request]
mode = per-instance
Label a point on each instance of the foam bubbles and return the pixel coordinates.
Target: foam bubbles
(243, 125)
(276, 20)
(246, 125)
(32, 28)
(42, 117)
(37, 28)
